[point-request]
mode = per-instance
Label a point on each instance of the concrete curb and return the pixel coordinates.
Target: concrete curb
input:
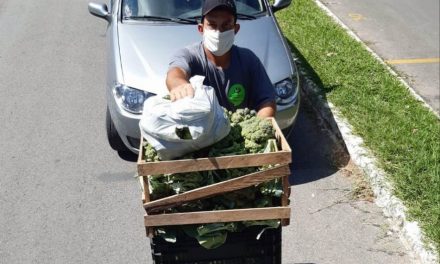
(393, 209)
(409, 232)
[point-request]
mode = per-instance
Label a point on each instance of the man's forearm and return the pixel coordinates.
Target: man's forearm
(175, 83)
(175, 78)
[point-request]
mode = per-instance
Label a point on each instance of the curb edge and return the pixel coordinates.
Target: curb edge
(392, 207)
(376, 56)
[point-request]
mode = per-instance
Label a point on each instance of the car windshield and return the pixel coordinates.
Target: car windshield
(169, 10)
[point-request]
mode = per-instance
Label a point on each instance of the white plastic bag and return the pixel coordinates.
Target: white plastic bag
(201, 116)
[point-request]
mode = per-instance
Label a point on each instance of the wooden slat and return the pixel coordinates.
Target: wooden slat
(218, 188)
(285, 199)
(286, 191)
(284, 144)
(283, 156)
(217, 216)
(226, 162)
(145, 188)
(146, 198)
(141, 182)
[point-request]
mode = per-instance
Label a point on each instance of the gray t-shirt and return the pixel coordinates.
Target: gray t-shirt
(243, 84)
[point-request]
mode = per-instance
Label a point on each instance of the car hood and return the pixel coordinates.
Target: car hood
(146, 49)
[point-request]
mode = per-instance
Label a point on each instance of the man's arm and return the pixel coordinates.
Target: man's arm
(267, 110)
(178, 85)
(262, 95)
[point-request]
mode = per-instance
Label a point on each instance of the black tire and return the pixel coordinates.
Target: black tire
(113, 137)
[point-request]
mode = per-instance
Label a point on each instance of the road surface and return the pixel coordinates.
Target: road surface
(405, 33)
(66, 197)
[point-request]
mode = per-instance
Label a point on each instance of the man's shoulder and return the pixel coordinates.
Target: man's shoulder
(246, 53)
(194, 48)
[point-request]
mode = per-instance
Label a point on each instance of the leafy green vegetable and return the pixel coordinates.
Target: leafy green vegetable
(212, 240)
(249, 134)
(150, 153)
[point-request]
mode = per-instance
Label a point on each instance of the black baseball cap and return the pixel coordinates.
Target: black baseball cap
(209, 5)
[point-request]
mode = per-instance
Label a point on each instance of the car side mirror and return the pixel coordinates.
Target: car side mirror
(99, 10)
(280, 4)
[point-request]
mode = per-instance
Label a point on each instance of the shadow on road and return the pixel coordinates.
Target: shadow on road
(318, 150)
(315, 155)
(128, 156)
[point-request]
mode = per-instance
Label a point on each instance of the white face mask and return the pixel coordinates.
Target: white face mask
(218, 42)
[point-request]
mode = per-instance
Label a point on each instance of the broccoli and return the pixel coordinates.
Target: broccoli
(234, 136)
(249, 134)
(256, 132)
(241, 115)
(252, 146)
(150, 154)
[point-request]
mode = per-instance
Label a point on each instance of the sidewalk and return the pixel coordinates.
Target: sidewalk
(333, 217)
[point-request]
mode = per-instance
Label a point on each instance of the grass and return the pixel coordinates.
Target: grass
(401, 132)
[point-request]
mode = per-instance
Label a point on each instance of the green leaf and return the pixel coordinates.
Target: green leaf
(190, 230)
(266, 223)
(213, 240)
(215, 227)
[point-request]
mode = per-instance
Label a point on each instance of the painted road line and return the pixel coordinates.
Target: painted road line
(414, 61)
(356, 17)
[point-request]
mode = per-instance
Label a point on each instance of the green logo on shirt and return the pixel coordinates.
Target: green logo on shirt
(236, 94)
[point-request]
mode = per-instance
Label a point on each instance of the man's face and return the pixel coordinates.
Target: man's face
(218, 19)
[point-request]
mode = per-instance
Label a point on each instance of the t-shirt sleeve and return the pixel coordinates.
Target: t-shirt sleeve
(182, 59)
(262, 88)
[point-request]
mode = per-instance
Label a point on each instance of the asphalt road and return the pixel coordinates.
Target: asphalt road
(66, 197)
(404, 33)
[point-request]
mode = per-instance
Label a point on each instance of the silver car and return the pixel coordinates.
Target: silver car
(143, 34)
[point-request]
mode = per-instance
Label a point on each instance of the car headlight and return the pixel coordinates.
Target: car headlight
(287, 90)
(131, 99)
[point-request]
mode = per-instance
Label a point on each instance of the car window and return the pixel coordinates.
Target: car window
(183, 8)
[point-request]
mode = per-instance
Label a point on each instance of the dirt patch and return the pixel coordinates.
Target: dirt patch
(361, 189)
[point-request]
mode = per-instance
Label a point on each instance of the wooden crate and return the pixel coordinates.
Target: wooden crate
(280, 159)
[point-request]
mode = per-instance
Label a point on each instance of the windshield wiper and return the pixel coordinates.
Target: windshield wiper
(195, 17)
(239, 16)
(159, 18)
(245, 16)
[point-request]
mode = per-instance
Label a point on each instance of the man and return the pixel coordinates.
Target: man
(236, 73)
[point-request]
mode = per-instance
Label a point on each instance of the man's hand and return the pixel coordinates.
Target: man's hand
(178, 84)
(181, 91)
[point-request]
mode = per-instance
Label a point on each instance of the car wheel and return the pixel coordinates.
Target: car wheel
(113, 137)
